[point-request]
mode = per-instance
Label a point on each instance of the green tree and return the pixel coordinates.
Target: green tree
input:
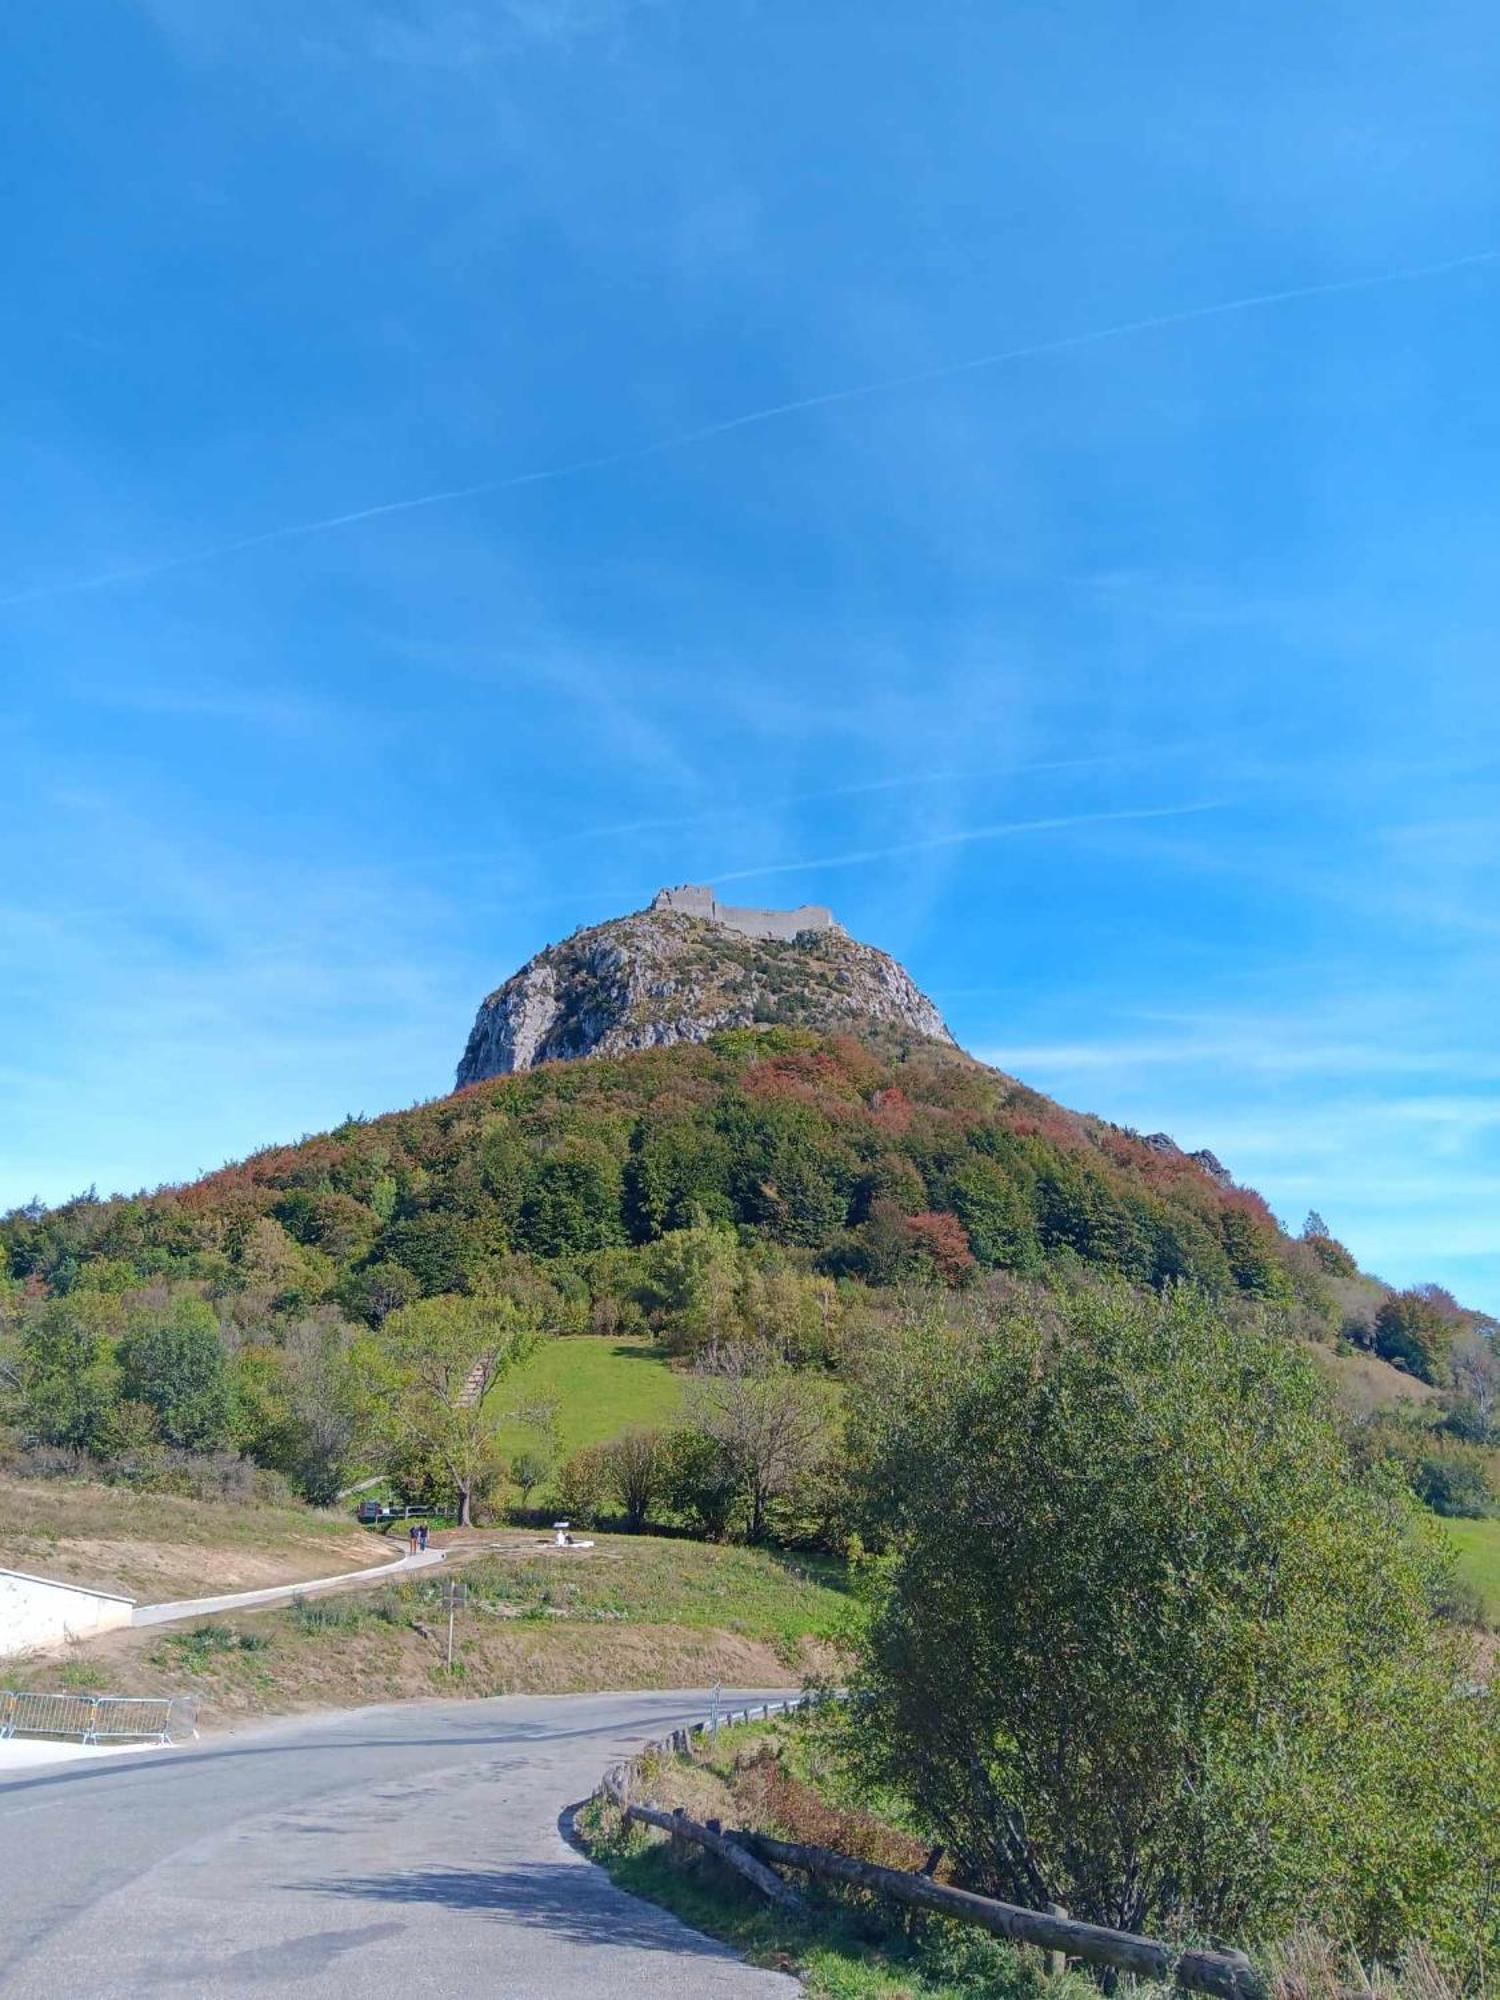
(635, 1473)
(443, 1252)
(787, 1311)
(574, 1202)
(265, 1426)
(324, 1389)
(1454, 1479)
(1145, 1646)
(1414, 1333)
(997, 1214)
(528, 1468)
(66, 1381)
(699, 1483)
(172, 1360)
(375, 1291)
(768, 1423)
(790, 1178)
(1250, 1246)
(678, 1171)
(429, 1374)
(688, 1286)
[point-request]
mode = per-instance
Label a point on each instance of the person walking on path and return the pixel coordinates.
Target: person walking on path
(411, 1539)
(422, 1538)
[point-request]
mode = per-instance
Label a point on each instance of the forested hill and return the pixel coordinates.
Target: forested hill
(826, 1156)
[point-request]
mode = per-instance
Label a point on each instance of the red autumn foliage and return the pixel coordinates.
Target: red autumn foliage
(772, 1800)
(890, 1112)
(941, 1240)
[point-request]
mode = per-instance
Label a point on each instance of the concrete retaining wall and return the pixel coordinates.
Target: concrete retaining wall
(36, 1611)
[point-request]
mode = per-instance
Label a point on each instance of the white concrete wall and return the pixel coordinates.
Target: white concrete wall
(34, 1611)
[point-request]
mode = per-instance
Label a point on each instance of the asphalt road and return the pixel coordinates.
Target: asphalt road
(407, 1851)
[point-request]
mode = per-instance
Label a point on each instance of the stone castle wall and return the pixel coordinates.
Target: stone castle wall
(690, 900)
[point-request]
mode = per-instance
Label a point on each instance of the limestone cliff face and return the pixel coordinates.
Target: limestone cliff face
(665, 975)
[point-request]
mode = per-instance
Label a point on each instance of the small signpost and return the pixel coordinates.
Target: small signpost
(455, 1596)
(715, 1695)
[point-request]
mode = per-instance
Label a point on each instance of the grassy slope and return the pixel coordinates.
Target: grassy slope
(839, 1953)
(154, 1546)
(598, 1387)
(635, 1611)
(1363, 1383)
(1478, 1545)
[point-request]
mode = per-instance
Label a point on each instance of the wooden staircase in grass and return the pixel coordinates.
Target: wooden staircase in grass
(473, 1388)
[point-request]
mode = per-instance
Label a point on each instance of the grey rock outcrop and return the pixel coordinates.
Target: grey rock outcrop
(1210, 1163)
(682, 971)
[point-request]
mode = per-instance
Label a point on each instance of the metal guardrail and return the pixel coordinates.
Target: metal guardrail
(619, 1781)
(98, 1718)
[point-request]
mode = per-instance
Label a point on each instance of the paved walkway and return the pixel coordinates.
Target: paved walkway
(411, 1851)
(280, 1593)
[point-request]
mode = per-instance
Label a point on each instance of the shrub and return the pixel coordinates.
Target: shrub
(583, 1486)
(772, 1798)
(204, 1641)
(699, 1482)
(325, 1614)
(634, 1474)
(1454, 1480)
(1147, 1646)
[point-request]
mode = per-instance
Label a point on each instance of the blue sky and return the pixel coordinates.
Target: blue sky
(1139, 690)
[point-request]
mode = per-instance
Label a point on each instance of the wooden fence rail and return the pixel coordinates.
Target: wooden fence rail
(1228, 1974)
(728, 1848)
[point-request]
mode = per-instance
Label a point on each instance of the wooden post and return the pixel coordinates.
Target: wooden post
(725, 1847)
(1057, 1961)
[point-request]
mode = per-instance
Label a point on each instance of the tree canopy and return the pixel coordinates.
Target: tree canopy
(1144, 1643)
(429, 1376)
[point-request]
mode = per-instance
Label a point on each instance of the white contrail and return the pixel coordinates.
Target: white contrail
(963, 837)
(904, 781)
(767, 413)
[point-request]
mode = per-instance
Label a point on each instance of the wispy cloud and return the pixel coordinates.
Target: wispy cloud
(1268, 1050)
(749, 419)
(963, 837)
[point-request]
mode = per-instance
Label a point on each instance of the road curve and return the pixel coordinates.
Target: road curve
(409, 1851)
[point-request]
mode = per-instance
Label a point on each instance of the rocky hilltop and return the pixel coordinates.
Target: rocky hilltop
(682, 970)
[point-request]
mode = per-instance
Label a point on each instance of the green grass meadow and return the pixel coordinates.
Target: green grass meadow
(598, 1388)
(1478, 1546)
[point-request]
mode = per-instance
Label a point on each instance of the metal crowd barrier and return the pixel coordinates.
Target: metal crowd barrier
(98, 1718)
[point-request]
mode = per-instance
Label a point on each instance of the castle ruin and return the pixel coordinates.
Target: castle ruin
(691, 900)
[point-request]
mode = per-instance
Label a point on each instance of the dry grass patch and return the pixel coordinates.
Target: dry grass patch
(1364, 1384)
(156, 1546)
(631, 1613)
